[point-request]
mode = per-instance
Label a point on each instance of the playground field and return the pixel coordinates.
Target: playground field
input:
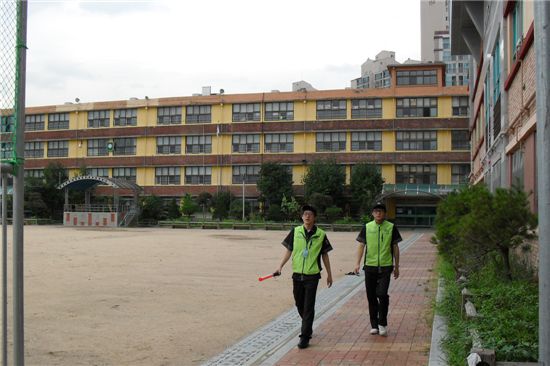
(152, 296)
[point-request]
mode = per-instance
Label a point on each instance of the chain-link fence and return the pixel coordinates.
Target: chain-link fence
(8, 79)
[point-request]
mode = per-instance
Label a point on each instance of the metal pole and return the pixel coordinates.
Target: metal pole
(542, 37)
(4, 269)
(243, 196)
(18, 196)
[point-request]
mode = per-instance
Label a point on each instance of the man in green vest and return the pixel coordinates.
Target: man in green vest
(306, 245)
(379, 241)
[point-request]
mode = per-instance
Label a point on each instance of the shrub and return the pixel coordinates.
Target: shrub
(333, 213)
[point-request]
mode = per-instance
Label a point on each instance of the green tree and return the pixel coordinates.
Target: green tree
(173, 210)
(221, 202)
(333, 213)
(35, 205)
(188, 206)
(46, 189)
(476, 222)
(325, 177)
(290, 208)
(204, 199)
(366, 185)
(275, 181)
(152, 208)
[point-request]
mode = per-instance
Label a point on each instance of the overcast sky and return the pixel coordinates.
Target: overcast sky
(114, 50)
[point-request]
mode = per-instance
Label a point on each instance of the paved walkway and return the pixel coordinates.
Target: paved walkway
(341, 328)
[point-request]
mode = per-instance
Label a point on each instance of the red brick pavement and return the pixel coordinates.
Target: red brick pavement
(344, 339)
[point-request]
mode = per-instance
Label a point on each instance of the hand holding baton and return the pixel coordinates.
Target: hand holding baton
(274, 274)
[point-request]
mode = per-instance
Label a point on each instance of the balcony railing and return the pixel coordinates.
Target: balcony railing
(436, 189)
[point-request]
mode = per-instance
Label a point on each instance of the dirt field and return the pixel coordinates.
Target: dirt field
(152, 296)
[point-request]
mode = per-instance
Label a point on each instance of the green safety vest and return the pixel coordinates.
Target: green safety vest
(379, 251)
(305, 254)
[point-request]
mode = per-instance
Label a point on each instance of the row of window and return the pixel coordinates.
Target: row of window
(250, 143)
(249, 174)
(277, 111)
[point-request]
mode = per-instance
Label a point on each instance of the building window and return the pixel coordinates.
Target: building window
(201, 144)
(34, 122)
(279, 142)
(97, 147)
(331, 141)
(517, 169)
(6, 151)
(34, 173)
(98, 172)
(98, 119)
(331, 109)
(496, 72)
(366, 108)
(416, 140)
(125, 146)
(246, 112)
(246, 143)
(125, 117)
(416, 107)
(460, 173)
(169, 145)
(34, 149)
(167, 175)
(58, 149)
(460, 140)
(169, 115)
(517, 29)
(7, 124)
(125, 173)
(198, 114)
(382, 79)
(361, 141)
(460, 106)
(198, 175)
(249, 174)
(416, 174)
(58, 121)
(418, 77)
(279, 111)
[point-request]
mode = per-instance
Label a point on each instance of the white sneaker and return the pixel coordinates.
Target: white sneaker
(383, 330)
(374, 331)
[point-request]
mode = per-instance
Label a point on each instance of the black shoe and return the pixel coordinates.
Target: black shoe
(304, 343)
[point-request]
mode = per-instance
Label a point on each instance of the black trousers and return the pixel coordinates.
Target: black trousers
(377, 284)
(304, 297)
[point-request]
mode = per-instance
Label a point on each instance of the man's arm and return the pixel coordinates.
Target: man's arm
(326, 261)
(396, 261)
(286, 257)
(359, 257)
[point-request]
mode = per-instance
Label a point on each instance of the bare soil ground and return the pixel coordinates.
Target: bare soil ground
(152, 296)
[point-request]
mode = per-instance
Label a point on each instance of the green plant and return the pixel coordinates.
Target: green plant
(221, 202)
(188, 206)
(365, 185)
(325, 177)
(290, 208)
(275, 213)
(274, 182)
(333, 213)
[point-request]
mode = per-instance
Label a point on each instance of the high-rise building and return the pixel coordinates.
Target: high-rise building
(208, 143)
(375, 73)
(436, 42)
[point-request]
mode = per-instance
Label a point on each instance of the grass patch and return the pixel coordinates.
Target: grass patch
(509, 315)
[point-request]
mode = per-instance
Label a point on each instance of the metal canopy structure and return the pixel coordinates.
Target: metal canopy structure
(86, 182)
(87, 214)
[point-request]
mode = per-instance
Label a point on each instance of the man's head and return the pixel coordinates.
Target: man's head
(309, 213)
(379, 212)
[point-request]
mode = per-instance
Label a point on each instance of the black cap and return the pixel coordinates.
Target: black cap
(309, 208)
(379, 205)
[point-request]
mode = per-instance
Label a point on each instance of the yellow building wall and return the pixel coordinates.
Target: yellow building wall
(305, 111)
(226, 175)
(220, 144)
(304, 143)
(388, 173)
(298, 173)
(388, 108)
(390, 208)
(146, 116)
(348, 108)
(444, 174)
(388, 141)
(222, 113)
(445, 107)
(444, 140)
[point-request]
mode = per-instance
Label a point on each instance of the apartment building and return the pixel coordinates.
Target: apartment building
(500, 38)
(416, 131)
